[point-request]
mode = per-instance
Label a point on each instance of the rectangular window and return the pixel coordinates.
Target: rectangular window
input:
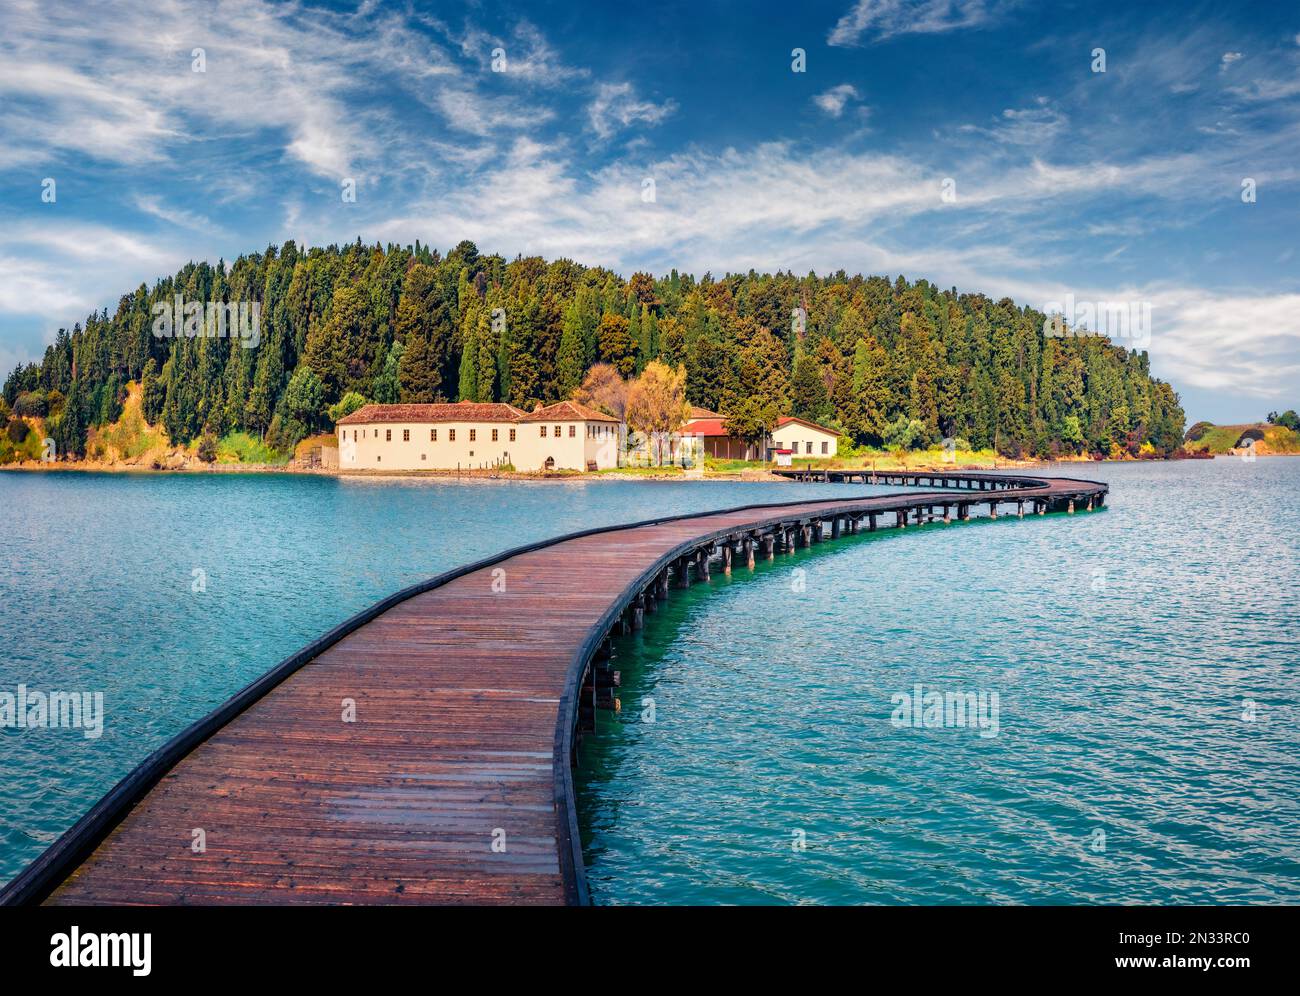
(543, 432)
(824, 447)
(807, 447)
(451, 435)
(512, 435)
(473, 435)
(433, 435)
(406, 435)
(354, 435)
(388, 435)
(494, 435)
(573, 431)
(557, 432)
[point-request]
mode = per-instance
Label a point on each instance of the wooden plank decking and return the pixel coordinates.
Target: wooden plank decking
(466, 696)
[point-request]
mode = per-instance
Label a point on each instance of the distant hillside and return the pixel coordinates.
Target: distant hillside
(1220, 439)
(888, 363)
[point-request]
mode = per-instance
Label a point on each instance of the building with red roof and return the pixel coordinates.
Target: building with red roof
(475, 435)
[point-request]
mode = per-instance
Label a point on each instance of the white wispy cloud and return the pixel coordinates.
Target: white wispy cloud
(1242, 343)
(881, 19)
(616, 107)
(154, 207)
(834, 100)
(1034, 126)
(290, 92)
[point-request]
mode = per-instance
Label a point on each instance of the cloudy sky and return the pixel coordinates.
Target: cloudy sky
(1124, 185)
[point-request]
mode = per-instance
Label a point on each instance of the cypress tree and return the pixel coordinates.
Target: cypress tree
(469, 365)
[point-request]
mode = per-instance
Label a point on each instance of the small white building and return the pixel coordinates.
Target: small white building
(793, 437)
(472, 435)
(803, 438)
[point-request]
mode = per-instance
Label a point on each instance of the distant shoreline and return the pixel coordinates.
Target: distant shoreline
(630, 474)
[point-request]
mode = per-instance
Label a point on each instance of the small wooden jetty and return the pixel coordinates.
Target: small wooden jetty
(423, 751)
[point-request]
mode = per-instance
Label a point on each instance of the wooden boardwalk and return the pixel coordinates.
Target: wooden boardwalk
(453, 781)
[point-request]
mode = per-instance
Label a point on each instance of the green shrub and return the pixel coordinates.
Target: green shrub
(285, 433)
(32, 404)
(349, 403)
(905, 434)
(1251, 433)
(240, 447)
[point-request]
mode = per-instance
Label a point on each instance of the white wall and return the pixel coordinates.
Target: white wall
(796, 437)
(408, 446)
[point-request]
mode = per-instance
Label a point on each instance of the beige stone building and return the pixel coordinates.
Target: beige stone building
(470, 435)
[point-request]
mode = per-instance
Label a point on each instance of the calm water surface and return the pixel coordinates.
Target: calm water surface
(1129, 766)
(98, 579)
(1125, 647)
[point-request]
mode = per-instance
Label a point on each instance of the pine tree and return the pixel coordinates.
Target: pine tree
(868, 417)
(807, 389)
(418, 373)
(387, 389)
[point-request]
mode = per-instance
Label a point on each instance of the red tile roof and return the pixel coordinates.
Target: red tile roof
(471, 411)
(464, 411)
(698, 412)
(566, 411)
(706, 427)
(718, 426)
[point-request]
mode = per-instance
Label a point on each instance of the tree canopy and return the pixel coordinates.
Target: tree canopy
(391, 323)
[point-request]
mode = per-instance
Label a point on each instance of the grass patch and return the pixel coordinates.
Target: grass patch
(1221, 439)
(131, 436)
(668, 468)
(866, 459)
(29, 449)
(240, 447)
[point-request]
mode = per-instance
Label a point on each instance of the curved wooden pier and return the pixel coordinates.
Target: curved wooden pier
(422, 751)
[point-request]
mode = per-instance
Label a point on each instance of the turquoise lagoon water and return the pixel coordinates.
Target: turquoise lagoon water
(97, 593)
(1147, 668)
(1125, 647)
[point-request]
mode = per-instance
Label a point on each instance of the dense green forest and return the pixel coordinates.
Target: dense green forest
(893, 364)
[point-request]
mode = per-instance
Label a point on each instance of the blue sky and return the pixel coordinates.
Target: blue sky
(1122, 186)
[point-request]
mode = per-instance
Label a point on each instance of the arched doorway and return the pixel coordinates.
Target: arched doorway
(550, 463)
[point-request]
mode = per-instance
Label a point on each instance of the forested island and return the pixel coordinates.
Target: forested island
(891, 364)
